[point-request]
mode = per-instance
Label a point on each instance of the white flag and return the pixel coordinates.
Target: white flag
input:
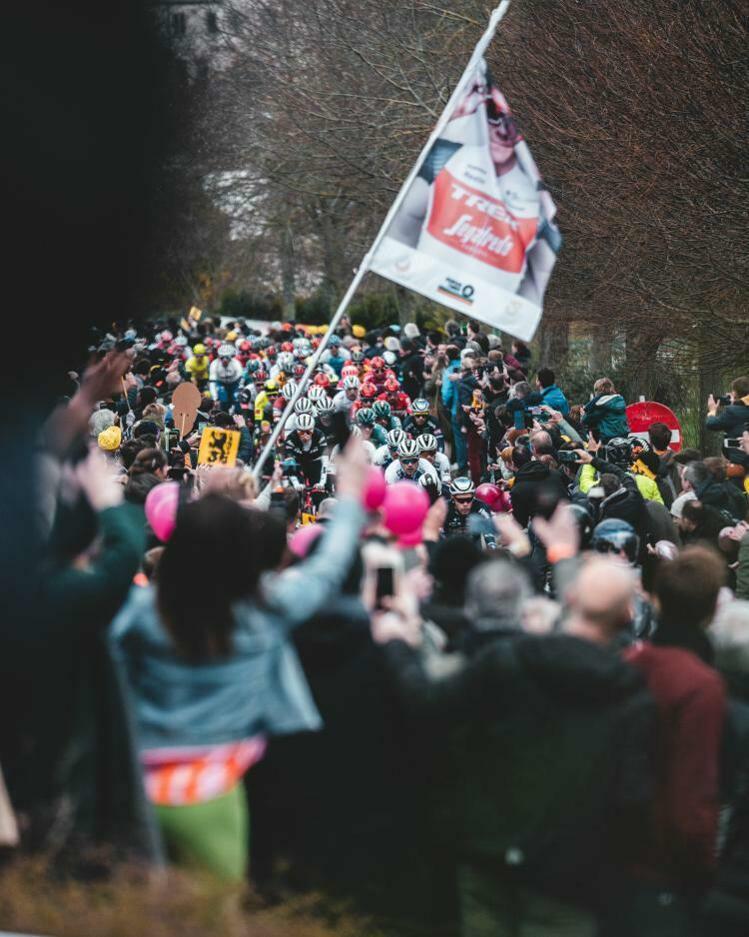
(475, 229)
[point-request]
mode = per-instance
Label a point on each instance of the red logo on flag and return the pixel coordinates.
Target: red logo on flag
(474, 223)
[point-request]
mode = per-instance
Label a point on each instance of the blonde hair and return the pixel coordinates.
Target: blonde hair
(604, 385)
(235, 483)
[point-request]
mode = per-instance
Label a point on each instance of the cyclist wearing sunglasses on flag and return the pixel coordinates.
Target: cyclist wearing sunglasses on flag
(478, 204)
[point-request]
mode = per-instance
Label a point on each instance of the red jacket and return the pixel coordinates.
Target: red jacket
(691, 702)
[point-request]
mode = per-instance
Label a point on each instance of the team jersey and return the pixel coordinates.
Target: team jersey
(197, 367)
(478, 222)
(456, 524)
(395, 472)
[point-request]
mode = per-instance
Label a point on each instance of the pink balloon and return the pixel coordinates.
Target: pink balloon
(374, 489)
(406, 505)
(161, 509)
(303, 538)
(412, 539)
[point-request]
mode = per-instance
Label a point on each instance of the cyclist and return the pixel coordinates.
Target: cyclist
(408, 466)
(306, 445)
(420, 423)
(464, 505)
(225, 374)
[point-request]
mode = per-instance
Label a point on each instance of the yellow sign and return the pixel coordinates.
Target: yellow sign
(195, 313)
(185, 325)
(218, 446)
(308, 519)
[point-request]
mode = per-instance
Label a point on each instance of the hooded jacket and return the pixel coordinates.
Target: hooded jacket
(723, 496)
(532, 722)
(535, 484)
(606, 416)
(553, 396)
(731, 420)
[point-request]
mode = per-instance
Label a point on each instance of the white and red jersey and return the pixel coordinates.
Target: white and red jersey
(482, 221)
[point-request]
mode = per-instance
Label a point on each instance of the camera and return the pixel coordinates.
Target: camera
(565, 456)
(725, 399)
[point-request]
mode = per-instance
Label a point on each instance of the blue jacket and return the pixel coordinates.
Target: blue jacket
(260, 687)
(553, 396)
(450, 388)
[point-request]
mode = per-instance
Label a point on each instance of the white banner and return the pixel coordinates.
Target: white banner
(475, 229)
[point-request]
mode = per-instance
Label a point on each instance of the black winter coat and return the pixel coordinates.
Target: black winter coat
(537, 488)
(549, 743)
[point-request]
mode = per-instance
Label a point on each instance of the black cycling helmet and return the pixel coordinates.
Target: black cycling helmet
(618, 451)
(613, 536)
(430, 484)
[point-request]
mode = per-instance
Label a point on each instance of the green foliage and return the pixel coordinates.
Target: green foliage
(244, 303)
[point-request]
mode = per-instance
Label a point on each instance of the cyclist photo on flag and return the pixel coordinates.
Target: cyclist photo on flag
(477, 211)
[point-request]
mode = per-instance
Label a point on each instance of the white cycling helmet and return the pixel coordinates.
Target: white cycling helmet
(305, 421)
(351, 383)
(408, 449)
(427, 443)
(462, 486)
(289, 389)
(420, 405)
(395, 437)
(304, 406)
(325, 405)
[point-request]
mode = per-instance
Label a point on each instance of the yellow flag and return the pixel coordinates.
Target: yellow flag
(218, 446)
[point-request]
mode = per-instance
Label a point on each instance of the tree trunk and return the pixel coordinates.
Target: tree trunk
(641, 364)
(554, 345)
(600, 355)
(288, 273)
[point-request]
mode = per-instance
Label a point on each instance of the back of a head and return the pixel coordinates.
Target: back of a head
(495, 593)
(147, 462)
(227, 544)
(450, 563)
(604, 385)
(696, 473)
(729, 636)
(138, 486)
(545, 377)
(687, 589)
(686, 456)
(99, 421)
(223, 419)
(716, 466)
(740, 387)
(602, 596)
(659, 435)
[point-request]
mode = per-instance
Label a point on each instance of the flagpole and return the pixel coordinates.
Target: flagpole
(478, 53)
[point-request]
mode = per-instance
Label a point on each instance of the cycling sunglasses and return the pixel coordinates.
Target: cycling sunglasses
(463, 499)
(408, 461)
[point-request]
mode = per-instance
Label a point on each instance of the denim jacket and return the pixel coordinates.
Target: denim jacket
(260, 687)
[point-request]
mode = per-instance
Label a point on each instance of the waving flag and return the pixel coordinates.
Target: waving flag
(475, 226)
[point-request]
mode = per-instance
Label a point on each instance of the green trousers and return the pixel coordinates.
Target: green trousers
(211, 836)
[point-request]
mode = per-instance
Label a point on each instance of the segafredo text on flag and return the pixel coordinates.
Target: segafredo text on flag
(475, 229)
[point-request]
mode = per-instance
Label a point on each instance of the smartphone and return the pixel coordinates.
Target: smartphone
(384, 584)
(565, 456)
(535, 411)
(732, 443)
